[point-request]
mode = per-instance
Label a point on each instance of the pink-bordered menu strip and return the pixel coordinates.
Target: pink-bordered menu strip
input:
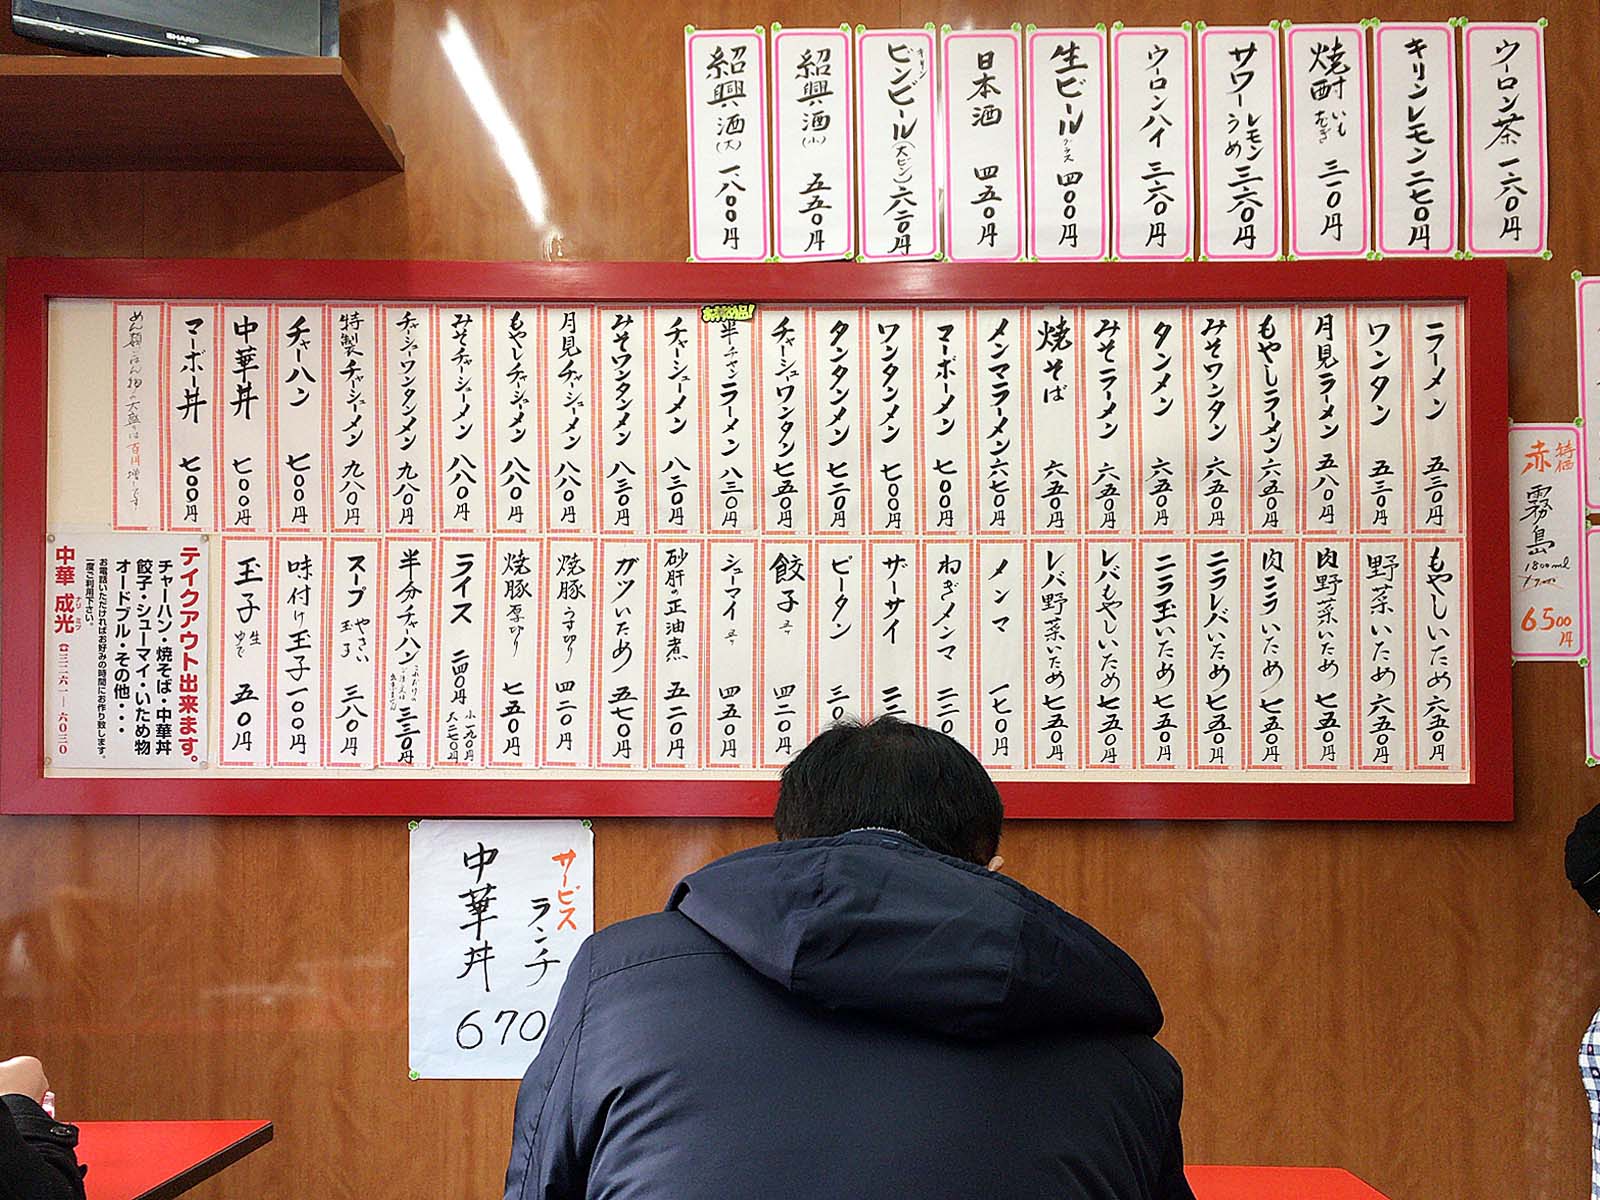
(895, 144)
(983, 211)
(1069, 152)
(1329, 167)
(726, 91)
(1418, 172)
(1241, 167)
(813, 143)
(1152, 122)
(1549, 578)
(1507, 163)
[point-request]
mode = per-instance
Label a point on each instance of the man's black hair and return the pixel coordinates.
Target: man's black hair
(1583, 857)
(891, 774)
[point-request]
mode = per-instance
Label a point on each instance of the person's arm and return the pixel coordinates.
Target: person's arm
(38, 1157)
(1174, 1183)
(547, 1163)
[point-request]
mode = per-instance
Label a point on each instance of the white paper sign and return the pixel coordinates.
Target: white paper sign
(297, 462)
(678, 617)
(1269, 376)
(246, 395)
(1587, 294)
(813, 95)
(1151, 126)
(246, 625)
(126, 650)
(1069, 161)
(410, 581)
(410, 451)
(982, 73)
(895, 144)
(891, 414)
(726, 73)
(1002, 660)
(1549, 589)
(571, 489)
(1382, 607)
(947, 493)
(1241, 170)
(498, 910)
(783, 351)
(622, 416)
(1055, 352)
(1325, 421)
(1437, 370)
(1108, 479)
(840, 420)
(675, 355)
(569, 652)
(513, 391)
(1000, 400)
(1164, 713)
(299, 644)
(625, 615)
(192, 403)
(1219, 427)
(134, 465)
(1439, 663)
(1057, 600)
(786, 659)
(516, 565)
(1329, 172)
(840, 593)
(949, 590)
(1164, 433)
(1218, 635)
(729, 348)
(464, 432)
(1508, 202)
(892, 648)
(1109, 623)
(353, 631)
(353, 419)
(462, 645)
(1591, 693)
(1380, 412)
(1275, 628)
(1328, 723)
(1415, 86)
(731, 576)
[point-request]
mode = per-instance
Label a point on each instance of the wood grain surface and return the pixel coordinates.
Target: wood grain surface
(82, 112)
(1401, 1000)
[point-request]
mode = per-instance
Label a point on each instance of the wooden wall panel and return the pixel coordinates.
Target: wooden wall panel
(1405, 1000)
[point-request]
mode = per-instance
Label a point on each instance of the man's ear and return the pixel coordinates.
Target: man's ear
(996, 863)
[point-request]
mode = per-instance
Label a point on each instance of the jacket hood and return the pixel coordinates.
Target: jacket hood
(872, 922)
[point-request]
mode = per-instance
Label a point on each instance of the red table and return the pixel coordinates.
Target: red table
(156, 1160)
(1278, 1183)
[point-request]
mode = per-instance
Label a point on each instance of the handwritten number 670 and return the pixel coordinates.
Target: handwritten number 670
(469, 1034)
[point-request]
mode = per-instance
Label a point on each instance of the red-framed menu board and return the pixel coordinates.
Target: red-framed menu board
(359, 537)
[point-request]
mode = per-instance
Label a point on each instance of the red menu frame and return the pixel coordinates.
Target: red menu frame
(33, 283)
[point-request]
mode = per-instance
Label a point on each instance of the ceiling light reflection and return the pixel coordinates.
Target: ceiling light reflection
(480, 90)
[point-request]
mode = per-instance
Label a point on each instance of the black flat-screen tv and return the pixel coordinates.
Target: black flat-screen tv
(219, 28)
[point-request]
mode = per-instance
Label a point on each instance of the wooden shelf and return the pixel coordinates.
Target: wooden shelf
(188, 114)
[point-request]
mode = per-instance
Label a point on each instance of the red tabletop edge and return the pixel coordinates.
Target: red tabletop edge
(1278, 1183)
(132, 1160)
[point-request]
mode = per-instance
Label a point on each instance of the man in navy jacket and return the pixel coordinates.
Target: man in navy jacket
(862, 1009)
